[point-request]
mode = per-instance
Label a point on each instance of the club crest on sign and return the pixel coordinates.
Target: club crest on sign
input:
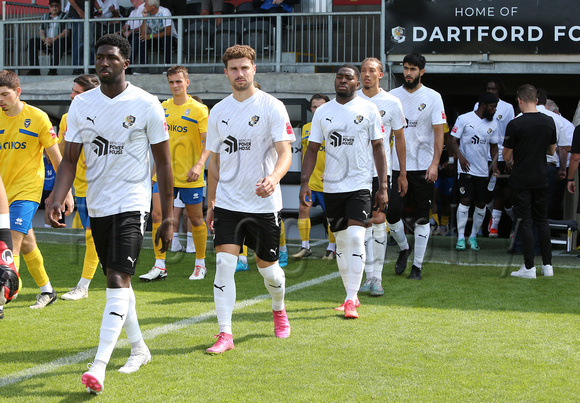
(398, 34)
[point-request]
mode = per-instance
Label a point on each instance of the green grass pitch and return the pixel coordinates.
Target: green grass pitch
(466, 332)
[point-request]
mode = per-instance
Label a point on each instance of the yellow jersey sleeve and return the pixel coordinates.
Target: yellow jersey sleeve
(315, 183)
(186, 123)
(22, 141)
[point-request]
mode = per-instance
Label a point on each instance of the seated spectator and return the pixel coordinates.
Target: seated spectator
(106, 9)
(53, 32)
(132, 26)
(160, 33)
(275, 6)
(212, 7)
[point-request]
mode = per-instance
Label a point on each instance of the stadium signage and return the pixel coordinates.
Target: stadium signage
(482, 26)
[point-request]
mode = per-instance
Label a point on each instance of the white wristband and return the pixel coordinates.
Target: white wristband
(5, 221)
(451, 160)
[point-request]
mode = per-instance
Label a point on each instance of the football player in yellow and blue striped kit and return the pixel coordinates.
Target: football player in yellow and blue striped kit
(187, 124)
(25, 131)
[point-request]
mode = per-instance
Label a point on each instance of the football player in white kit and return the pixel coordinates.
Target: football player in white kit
(117, 124)
(393, 120)
(425, 115)
(353, 132)
(249, 134)
(474, 137)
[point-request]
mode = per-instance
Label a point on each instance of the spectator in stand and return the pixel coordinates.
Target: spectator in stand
(212, 7)
(132, 26)
(77, 11)
(160, 33)
(275, 6)
(52, 36)
(106, 9)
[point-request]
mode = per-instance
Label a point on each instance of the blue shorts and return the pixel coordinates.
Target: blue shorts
(83, 211)
(317, 199)
(189, 195)
(186, 195)
(445, 184)
(21, 214)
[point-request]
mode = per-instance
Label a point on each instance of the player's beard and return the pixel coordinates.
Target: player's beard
(412, 84)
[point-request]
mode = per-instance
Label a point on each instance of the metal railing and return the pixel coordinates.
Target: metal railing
(297, 42)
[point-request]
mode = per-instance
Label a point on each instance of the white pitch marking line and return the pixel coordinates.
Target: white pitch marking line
(148, 335)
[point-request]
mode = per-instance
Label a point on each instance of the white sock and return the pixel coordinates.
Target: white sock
(84, 283)
(114, 318)
(462, 216)
(306, 244)
(160, 263)
(175, 241)
(132, 323)
(369, 261)
(356, 259)
(190, 243)
(342, 256)
(46, 288)
(495, 218)
(398, 233)
(200, 262)
(379, 248)
(331, 246)
(283, 248)
(243, 259)
(421, 239)
(275, 282)
(224, 290)
(478, 217)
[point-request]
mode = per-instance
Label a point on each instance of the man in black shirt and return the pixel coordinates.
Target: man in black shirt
(528, 139)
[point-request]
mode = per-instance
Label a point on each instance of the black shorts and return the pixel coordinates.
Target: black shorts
(376, 189)
(420, 193)
(341, 207)
(118, 240)
(473, 188)
(258, 231)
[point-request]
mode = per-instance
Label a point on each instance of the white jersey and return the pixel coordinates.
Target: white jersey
(243, 134)
(475, 135)
(348, 130)
(392, 117)
(423, 109)
(116, 134)
(504, 113)
(561, 137)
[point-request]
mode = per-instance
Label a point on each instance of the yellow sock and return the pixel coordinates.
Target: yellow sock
(244, 251)
(199, 235)
(77, 223)
(434, 217)
(331, 238)
(304, 229)
(91, 257)
(282, 234)
(16, 261)
(444, 220)
(35, 264)
(158, 254)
